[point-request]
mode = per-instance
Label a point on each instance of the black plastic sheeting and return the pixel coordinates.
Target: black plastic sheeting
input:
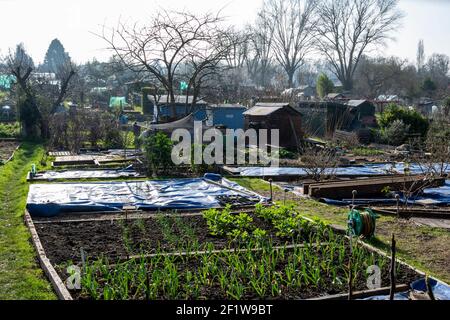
(440, 290)
(199, 193)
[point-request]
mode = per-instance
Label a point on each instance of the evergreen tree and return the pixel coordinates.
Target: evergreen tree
(55, 58)
(324, 85)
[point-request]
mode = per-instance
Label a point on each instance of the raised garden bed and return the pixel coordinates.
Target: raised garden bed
(214, 255)
(7, 149)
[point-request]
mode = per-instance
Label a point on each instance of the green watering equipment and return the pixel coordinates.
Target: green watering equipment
(33, 170)
(362, 223)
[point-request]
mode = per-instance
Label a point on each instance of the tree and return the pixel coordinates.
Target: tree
(348, 28)
(55, 58)
(437, 69)
(259, 56)
(383, 75)
(324, 85)
(420, 56)
(172, 47)
(428, 85)
(21, 66)
(293, 35)
(42, 96)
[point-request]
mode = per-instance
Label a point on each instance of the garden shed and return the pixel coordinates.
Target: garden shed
(277, 116)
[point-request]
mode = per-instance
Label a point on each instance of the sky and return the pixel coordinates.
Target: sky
(36, 22)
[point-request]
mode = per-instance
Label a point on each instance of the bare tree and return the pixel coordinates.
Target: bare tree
(259, 56)
(43, 95)
(348, 28)
(376, 76)
(173, 47)
(293, 35)
(319, 162)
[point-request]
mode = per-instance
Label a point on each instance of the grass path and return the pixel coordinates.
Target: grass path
(20, 274)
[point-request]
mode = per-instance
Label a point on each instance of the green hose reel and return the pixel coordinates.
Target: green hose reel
(362, 223)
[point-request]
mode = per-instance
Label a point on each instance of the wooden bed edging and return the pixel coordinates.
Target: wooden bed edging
(58, 285)
(12, 156)
(364, 293)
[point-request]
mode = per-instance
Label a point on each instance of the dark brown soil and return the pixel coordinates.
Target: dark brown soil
(327, 287)
(118, 239)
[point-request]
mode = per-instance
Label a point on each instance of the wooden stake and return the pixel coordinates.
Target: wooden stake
(392, 269)
(271, 190)
(429, 289)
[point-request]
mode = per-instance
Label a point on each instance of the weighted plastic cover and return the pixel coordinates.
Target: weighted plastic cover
(87, 174)
(370, 170)
(198, 193)
(357, 170)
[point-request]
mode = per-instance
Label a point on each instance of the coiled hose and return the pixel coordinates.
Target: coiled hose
(362, 223)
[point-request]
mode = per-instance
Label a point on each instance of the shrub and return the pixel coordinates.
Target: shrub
(236, 227)
(417, 123)
(396, 133)
(158, 150)
(9, 130)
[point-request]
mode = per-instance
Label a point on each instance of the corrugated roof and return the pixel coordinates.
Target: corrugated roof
(272, 104)
(355, 103)
(261, 111)
(227, 105)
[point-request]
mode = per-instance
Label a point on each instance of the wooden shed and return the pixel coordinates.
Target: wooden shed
(279, 116)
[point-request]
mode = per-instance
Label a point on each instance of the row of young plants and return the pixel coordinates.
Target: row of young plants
(269, 272)
(317, 266)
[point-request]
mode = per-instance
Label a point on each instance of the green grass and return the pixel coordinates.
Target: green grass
(366, 152)
(20, 274)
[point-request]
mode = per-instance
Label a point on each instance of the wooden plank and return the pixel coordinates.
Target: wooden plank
(415, 213)
(364, 293)
(435, 223)
(58, 285)
(134, 215)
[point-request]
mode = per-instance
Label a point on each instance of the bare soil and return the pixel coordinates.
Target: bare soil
(117, 240)
(6, 149)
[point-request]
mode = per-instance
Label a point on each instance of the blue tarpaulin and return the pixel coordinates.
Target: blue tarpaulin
(86, 174)
(440, 290)
(357, 170)
(198, 193)
(371, 169)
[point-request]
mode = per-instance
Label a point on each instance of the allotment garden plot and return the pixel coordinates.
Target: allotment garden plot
(219, 241)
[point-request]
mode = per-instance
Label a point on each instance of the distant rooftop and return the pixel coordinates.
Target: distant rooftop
(356, 103)
(178, 99)
(262, 111)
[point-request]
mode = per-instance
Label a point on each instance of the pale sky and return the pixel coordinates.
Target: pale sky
(37, 22)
